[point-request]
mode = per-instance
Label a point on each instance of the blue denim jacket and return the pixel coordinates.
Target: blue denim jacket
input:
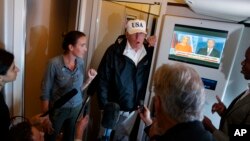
(58, 80)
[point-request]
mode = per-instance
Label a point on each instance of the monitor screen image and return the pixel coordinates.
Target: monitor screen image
(198, 45)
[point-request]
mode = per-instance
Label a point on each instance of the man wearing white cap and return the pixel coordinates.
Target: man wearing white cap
(124, 70)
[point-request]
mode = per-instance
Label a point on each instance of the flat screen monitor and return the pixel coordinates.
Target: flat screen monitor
(198, 45)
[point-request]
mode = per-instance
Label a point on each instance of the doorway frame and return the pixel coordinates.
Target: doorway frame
(93, 34)
(14, 41)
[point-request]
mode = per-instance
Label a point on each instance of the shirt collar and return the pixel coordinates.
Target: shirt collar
(133, 55)
(64, 65)
(128, 47)
(248, 84)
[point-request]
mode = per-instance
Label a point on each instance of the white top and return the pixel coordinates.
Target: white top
(246, 93)
(209, 50)
(135, 56)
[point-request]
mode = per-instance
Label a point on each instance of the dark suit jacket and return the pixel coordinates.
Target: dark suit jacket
(186, 131)
(238, 113)
(5, 118)
(214, 53)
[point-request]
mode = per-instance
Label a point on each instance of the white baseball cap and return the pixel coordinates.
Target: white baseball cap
(136, 26)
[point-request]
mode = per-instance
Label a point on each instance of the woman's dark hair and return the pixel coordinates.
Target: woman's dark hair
(21, 131)
(71, 38)
(6, 59)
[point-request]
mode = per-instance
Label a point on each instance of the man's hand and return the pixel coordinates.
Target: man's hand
(151, 41)
(208, 124)
(219, 107)
(145, 115)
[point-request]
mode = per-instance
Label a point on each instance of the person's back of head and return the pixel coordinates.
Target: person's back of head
(21, 132)
(181, 91)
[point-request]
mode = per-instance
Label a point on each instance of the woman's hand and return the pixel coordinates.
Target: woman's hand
(47, 125)
(91, 74)
(42, 123)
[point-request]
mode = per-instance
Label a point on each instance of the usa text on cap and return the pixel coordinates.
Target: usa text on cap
(136, 26)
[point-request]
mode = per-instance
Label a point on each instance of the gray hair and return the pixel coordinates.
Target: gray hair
(181, 91)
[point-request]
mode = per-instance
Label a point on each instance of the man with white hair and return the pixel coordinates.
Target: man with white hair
(123, 72)
(178, 102)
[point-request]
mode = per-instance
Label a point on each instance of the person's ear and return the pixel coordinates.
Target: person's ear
(1, 81)
(126, 34)
(71, 47)
(158, 104)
